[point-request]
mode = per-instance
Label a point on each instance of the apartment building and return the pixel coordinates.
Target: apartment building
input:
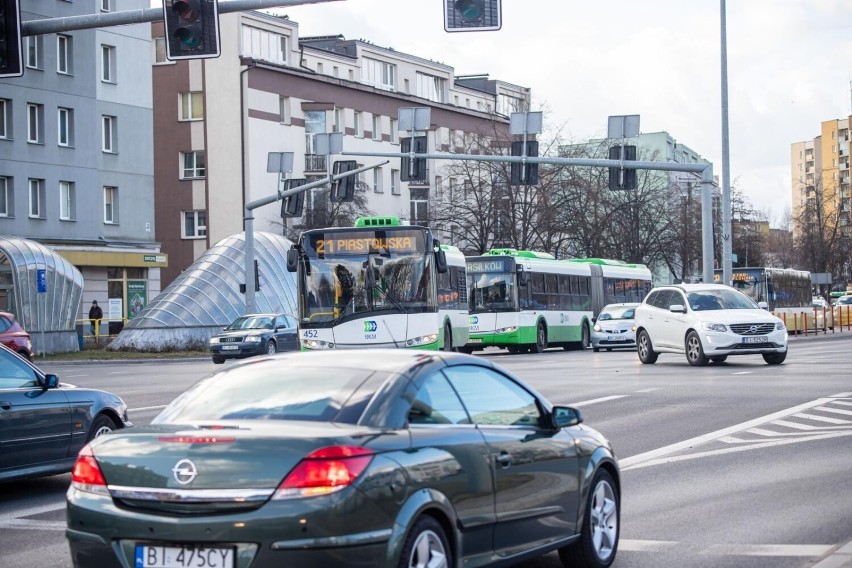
(271, 90)
(76, 166)
(819, 171)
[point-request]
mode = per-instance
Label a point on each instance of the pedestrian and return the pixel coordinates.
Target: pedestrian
(95, 316)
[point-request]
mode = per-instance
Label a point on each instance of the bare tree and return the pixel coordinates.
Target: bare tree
(823, 236)
(321, 212)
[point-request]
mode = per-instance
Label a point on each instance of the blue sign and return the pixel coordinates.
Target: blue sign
(41, 280)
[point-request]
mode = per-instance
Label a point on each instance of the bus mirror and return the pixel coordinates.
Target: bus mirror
(292, 259)
(522, 277)
(441, 261)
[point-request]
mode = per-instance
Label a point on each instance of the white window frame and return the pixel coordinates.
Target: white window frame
(67, 201)
(108, 64)
(65, 124)
(36, 198)
(194, 171)
(5, 194)
(358, 124)
(264, 45)
(106, 5)
(110, 205)
(395, 187)
(186, 107)
(284, 115)
(379, 74)
(431, 87)
(377, 180)
(158, 44)
(35, 120)
(394, 135)
(199, 230)
(5, 119)
(64, 54)
(377, 127)
(32, 45)
(338, 121)
(108, 134)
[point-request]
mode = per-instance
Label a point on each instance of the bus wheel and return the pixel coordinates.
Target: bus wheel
(448, 337)
(466, 350)
(540, 339)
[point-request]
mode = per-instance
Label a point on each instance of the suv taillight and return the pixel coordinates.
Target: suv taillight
(325, 471)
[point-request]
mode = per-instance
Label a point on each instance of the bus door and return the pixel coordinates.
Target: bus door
(598, 296)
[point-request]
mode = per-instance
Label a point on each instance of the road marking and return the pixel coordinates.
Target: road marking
(834, 410)
(31, 511)
(649, 390)
(32, 524)
(632, 545)
(843, 403)
(842, 395)
(632, 461)
(822, 418)
(597, 400)
(144, 408)
(743, 373)
(769, 549)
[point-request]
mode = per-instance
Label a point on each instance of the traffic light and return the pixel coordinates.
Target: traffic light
(530, 170)
(293, 205)
(628, 181)
(472, 15)
(10, 39)
(344, 189)
(192, 29)
(418, 171)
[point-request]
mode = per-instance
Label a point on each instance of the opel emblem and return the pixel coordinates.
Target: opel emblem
(184, 471)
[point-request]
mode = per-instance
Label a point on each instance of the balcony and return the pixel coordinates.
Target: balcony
(315, 163)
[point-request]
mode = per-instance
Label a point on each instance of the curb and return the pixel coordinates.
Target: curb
(165, 360)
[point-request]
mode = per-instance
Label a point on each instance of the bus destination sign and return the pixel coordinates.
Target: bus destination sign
(501, 265)
(404, 242)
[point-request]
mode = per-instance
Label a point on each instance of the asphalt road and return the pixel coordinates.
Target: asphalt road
(734, 465)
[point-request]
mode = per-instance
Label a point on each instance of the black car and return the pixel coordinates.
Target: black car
(254, 334)
(44, 423)
(373, 458)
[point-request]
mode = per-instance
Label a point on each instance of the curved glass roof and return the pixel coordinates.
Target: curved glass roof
(56, 308)
(207, 294)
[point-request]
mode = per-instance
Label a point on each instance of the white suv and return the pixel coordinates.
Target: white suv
(707, 322)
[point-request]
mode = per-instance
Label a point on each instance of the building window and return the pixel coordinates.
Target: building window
(319, 68)
(439, 186)
(5, 118)
(5, 197)
(451, 188)
(394, 138)
(64, 54)
(105, 6)
(377, 127)
(110, 205)
(109, 132)
(65, 127)
(284, 110)
(338, 120)
(430, 87)
(395, 189)
(359, 125)
(194, 224)
(67, 207)
(108, 64)
(36, 198)
(160, 50)
(191, 106)
(261, 44)
(35, 123)
(193, 165)
(377, 181)
(34, 57)
(335, 71)
(420, 206)
(379, 74)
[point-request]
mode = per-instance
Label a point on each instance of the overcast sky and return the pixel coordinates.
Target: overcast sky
(789, 68)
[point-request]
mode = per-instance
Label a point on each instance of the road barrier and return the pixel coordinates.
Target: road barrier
(836, 320)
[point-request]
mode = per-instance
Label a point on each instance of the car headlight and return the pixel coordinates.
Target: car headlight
(507, 329)
(214, 340)
(317, 344)
(597, 327)
(422, 340)
(779, 325)
(253, 339)
(713, 326)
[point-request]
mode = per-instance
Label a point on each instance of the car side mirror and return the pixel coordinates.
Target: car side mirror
(565, 416)
(50, 381)
(677, 308)
(763, 305)
(594, 320)
(292, 259)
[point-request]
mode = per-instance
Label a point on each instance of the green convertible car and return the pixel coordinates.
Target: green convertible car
(372, 458)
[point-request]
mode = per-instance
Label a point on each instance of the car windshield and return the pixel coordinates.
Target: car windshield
(720, 300)
(252, 322)
(844, 301)
(617, 313)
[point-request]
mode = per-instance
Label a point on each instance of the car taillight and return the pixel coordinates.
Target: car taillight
(86, 475)
(325, 471)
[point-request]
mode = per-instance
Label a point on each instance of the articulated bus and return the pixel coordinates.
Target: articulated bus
(379, 284)
(786, 292)
(527, 301)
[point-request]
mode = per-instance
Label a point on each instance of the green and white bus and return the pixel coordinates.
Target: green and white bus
(379, 284)
(528, 301)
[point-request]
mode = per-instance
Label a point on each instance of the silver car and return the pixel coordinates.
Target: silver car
(614, 327)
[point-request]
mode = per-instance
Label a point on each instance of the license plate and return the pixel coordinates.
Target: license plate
(755, 339)
(473, 340)
(617, 338)
(230, 347)
(151, 556)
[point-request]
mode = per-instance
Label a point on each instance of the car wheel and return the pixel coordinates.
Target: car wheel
(448, 337)
(646, 352)
(774, 358)
(102, 425)
(218, 360)
(599, 532)
(426, 546)
(694, 350)
(609, 349)
(466, 350)
(586, 339)
(596, 349)
(270, 347)
(719, 359)
(540, 339)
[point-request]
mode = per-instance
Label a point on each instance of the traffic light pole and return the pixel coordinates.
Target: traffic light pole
(251, 283)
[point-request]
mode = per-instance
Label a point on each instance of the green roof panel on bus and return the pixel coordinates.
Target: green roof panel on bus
(377, 222)
(606, 261)
(521, 253)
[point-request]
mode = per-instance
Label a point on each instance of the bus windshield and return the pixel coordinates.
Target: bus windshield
(491, 285)
(357, 273)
